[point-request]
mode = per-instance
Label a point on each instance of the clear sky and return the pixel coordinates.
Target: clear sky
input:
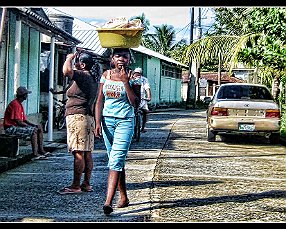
(178, 17)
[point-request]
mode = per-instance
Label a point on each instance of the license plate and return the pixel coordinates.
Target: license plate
(246, 127)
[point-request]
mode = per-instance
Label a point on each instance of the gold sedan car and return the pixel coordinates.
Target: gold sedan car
(243, 108)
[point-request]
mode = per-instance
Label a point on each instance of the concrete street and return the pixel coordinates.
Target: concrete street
(173, 175)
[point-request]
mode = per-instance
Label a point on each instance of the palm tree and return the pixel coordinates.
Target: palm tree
(223, 48)
(162, 41)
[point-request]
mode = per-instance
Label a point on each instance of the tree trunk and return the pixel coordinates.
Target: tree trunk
(219, 70)
(275, 87)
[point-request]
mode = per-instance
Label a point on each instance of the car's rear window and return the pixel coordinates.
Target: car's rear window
(244, 92)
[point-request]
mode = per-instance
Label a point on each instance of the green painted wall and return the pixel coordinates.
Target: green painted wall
(29, 66)
(163, 89)
(154, 77)
(11, 58)
(33, 74)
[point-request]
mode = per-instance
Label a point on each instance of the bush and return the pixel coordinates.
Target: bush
(283, 121)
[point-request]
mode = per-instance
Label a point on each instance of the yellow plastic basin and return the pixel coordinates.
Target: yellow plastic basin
(120, 38)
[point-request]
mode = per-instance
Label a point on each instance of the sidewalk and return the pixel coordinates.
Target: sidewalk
(59, 141)
(25, 150)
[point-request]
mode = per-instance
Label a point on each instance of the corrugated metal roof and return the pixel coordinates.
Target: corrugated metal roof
(46, 24)
(83, 31)
(89, 40)
(150, 52)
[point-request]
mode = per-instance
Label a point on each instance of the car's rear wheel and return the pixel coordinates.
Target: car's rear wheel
(211, 135)
(274, 138)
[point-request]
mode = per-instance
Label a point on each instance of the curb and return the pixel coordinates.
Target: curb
(13, 162)
(25, 155)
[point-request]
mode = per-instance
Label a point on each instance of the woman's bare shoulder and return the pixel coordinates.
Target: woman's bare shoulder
(105, 73)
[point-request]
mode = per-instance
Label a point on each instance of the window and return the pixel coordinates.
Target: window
(171, 71)
(244, 92)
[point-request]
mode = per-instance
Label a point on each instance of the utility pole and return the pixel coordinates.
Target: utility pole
(190, 64)
(192, 25)
(198, 65)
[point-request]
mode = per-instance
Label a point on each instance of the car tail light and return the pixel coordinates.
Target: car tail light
(219, 111)
(272, 113)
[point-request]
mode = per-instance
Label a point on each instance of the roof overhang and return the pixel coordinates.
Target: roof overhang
(44, 26)
(150, 52)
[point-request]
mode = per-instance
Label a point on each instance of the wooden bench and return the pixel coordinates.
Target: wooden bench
(9, 145)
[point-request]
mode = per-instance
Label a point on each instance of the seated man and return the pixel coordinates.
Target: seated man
(16, 123)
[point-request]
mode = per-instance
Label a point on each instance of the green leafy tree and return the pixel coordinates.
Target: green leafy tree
(269, 49)
(178, 49)
(259, 42)
(163, 40)
(229, 21)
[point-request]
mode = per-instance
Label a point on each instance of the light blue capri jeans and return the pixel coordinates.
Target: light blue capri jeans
(117, 134)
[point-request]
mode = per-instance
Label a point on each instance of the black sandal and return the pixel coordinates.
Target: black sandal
(107, 209)
(123, 205)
